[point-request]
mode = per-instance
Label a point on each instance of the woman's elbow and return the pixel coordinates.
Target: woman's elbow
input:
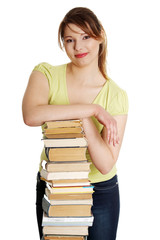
(104, 171)
(107, 168)
(30, 120)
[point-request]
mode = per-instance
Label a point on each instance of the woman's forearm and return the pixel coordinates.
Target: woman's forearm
(37, 115)
(100, 154)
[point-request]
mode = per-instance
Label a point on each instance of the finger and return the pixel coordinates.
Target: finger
(115, 134)
(118, 140)
(108, 134)
(112, 135)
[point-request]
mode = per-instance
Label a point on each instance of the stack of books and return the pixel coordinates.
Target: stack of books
(68, 197)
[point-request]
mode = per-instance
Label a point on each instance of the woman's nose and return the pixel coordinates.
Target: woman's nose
(78, 45)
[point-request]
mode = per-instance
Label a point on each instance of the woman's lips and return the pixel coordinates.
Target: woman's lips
(81, 55)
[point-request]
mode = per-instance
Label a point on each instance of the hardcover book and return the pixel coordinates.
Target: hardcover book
(66, 210)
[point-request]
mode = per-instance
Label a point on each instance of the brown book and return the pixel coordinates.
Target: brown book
(52, 237)
(67, 182)
(67, 154)
(64, 135)
(63, 181)
(68, 196)
(78, 230)
(72, 189)
(64, 123)
(63, 130)
(66, 210)
(67, 167)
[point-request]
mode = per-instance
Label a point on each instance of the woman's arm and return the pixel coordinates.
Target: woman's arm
(104, 151)
(36, 109)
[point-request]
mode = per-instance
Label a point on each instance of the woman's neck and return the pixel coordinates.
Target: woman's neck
(85, 75)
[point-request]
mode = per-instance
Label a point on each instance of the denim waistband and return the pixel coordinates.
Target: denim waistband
(106, 184)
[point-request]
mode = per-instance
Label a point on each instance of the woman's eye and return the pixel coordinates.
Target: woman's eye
(86, 37)
(69, 40)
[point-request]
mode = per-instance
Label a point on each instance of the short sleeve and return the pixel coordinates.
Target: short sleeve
(48, 71)
(119, 103)
(44, 68)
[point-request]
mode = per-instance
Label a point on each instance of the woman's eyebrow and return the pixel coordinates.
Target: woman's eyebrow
(77, 33)
(67, 36)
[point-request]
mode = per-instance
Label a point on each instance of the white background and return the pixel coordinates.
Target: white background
(28, 37)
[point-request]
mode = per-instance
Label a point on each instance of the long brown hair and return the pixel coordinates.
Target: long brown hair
(85, 19)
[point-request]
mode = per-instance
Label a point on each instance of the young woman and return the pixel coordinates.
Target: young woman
(81, 89)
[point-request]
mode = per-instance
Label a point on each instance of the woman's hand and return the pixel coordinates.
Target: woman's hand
(110, 123)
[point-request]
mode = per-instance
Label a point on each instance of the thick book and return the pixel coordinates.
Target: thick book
(63, 175)
(64, 130)
(66, 154)
(58, 237)
(66, 210)
(67, 167)
(67, 196)
(65, 142)
(63, 230)
(63, 190)
(66, 221)
(64, 123)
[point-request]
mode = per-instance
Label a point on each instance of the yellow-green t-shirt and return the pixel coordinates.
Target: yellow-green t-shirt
(111, 97)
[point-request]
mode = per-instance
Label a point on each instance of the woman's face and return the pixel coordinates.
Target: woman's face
(80, 47)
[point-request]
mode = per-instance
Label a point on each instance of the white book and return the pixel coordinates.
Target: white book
(67, 221)
(63, 175)
(65, 142)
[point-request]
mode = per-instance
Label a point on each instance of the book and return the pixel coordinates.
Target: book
(63, 130)
(63, 190)
(64, 135)
(63, 230)
(67, 196)
(66, 221)
(66, 154)
(64, 123)
(67, 167)
(67, 182)
(66, 210)
(71, 202)
(63, 175)
(57, 237)
(62, 142)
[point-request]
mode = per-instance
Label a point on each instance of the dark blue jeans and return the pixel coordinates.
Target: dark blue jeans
(105, 209)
